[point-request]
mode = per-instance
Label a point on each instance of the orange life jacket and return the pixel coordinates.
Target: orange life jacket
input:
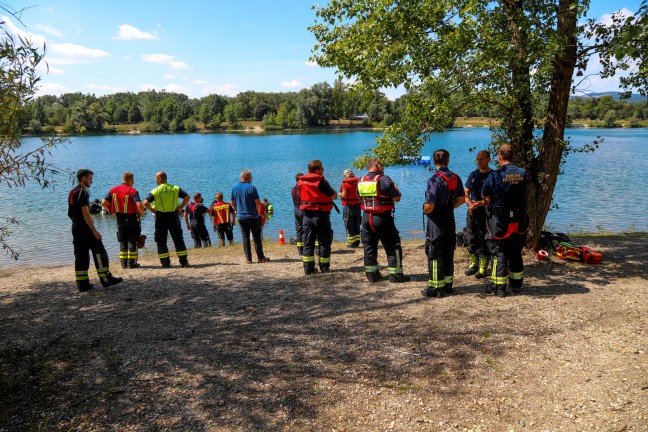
(122, 199)
(350, 185)
(375, 202)
(310, 196)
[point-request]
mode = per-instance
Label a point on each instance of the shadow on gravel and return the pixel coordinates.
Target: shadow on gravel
(178, 351)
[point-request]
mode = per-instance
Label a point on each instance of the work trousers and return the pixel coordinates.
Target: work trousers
(352, 216)
(317, 227)
(381, 227)
(476, 232)
(169, 223)
(507, 262)
(128, 233)
(199, 234)
(224, 230)
(252, 226)
(85, 242)
(440, 245)
(299, 229)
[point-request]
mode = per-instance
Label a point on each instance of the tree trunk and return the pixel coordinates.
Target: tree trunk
(544, 170)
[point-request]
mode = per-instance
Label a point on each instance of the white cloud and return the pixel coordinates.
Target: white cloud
(225, 90)
(311, 64)
(37, 40)
(104, 89)
(147, 87)
(169, 76)
(157, 58)
(606, 19)
(49, 30)
(175, 88)
(292, 84)
(200, 82)
(50, 70)
(52, 89)
(77, 51)
(178, 65)
(128, 32)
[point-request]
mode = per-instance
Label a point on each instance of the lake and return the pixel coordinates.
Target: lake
(589, 196)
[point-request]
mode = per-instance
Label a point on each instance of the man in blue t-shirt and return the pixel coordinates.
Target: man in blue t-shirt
(504, 192)
(247, 205)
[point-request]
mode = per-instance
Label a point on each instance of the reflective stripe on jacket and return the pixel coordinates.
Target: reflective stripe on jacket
(165, 198)
(372, 200)
(122, 199)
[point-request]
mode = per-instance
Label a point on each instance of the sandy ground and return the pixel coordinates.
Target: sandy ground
(226, 346)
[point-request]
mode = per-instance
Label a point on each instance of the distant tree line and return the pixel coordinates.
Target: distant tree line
(319, 105)
(161, 111)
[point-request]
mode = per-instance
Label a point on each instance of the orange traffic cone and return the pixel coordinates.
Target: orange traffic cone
(282, 240)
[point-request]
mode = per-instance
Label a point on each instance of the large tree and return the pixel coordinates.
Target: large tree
(18, 82)
(453, 55)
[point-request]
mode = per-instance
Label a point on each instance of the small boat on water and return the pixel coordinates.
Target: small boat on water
(423, 160)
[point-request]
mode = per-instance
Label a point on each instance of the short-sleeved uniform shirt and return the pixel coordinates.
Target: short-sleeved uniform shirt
(438, 192)
(198, 213)
(325, 188)
(181, 195)
(385, 184)
(244, 195)
(475, 182)
(506, 187)
(78, 198)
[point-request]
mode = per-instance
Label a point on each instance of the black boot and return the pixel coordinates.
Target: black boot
(398, 278)
(84, 285)
(110, 280)
(310, 270)
(374, 277)
(325, 268)
(166, 262)
(433, 292)
(124, 263)
(133, 264)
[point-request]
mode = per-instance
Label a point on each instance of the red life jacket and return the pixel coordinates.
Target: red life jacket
(122, 199)
(380, 203)
(310, 196)
(350, 185)
(221, 212)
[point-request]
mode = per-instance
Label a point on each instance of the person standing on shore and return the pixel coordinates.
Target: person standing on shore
(163, 203)
(85, 236)
(476, 217)
(378, 193)
(194, 216)
(125, 203)
(444, 193)
(298, 215)
(223, 219)
(352, 214)
(247, 205)
(504, 192)
(316, 201)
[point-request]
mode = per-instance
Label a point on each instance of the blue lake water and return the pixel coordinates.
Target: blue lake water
(591, 195)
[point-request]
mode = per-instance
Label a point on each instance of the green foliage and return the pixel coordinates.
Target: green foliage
(19, 60)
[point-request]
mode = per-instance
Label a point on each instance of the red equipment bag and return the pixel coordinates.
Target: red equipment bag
(589, 256)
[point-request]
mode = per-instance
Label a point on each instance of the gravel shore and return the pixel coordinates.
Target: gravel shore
(228, 346)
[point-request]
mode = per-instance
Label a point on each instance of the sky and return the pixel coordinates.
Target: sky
(192, 47)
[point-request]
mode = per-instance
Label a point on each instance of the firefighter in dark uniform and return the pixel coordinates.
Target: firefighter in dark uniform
(444, 193)
(194, 216)
(316, 201)
(125, 203)
(476, 217)
(352, 213)
(378, 193)
(85, 236)
(166, 209)
(505, 194)
(299, 215)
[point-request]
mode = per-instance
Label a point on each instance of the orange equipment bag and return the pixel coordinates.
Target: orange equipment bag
(589, 256)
